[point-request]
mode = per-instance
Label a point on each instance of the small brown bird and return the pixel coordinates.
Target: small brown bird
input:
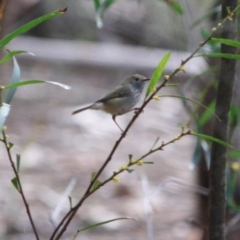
(120, 100)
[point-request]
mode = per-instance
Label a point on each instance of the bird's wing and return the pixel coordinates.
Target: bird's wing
(119, 92)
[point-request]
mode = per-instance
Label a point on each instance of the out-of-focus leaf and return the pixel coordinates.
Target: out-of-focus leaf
(105, 222)
(234, 154)
(10, 55)
(172, 85)
(15, 183)
(212, 139)
(207, 153)
(227, 42)
(219, 55)
(194, 101)
(207, 114)
(15, 79)
(197, 154)
(157, 73)
(96, 185)
(96, 4)
(18, 159)
(101, 9)
(29, 26)
(206, 16)
(174, 5)
(70, 201)
(33, 81)
(4, 111)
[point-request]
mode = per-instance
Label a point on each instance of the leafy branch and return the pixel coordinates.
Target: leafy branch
(16, 181)
(151, 92)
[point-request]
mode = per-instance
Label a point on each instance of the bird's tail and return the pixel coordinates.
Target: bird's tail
(82, 109)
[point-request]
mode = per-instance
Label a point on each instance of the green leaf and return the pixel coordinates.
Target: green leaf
(15, 183)
(206, 16)
(15, 79)
(234, 154)
(207, 114)
(29, 26)
(197, 154)
(219, 55)
(158, 73)
(96, 4)
(177, 8)
(171, 85)
(70, 202)
(93, 175)
(194, 101)
(10, 145)
(101, 10)
(96, 185)
(227, 42)
(18, 159)
(105, 222)
(33, 81)
(212, 139)
(10, 55)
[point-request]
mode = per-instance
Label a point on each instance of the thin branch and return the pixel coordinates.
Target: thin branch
(8, 147)
(62, 226)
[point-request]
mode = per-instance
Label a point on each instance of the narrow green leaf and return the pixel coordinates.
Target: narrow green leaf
(101, 10)
(206, 16)
(10, 55)
(177, 7)
(15, 183)
(15, 79)
(18, 159)
(105, 222)
(234, 154)
(10, 145)
(212, 139)
(171, 85)
(205, 117)
(130, 157)
(197, 154)
(207, 153)
(70, 202)
(219, 55)
(93, 175)
(33, 81)
(96, 4)
(158, 73)
(194, 101)
(29, 26)
(148, 162)
(96, 185)
(227, 42)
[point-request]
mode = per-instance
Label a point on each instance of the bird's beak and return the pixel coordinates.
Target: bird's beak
(146, 79)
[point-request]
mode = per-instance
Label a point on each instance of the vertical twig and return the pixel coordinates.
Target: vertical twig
(217, 176)
(20, 189)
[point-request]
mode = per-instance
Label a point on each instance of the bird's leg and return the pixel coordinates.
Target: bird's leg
(113, 117)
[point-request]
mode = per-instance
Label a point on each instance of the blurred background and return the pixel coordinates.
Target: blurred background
(59, 151)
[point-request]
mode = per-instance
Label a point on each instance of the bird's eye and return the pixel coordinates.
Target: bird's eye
(137, 79)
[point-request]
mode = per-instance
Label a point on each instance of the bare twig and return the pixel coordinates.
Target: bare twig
(20, 189)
